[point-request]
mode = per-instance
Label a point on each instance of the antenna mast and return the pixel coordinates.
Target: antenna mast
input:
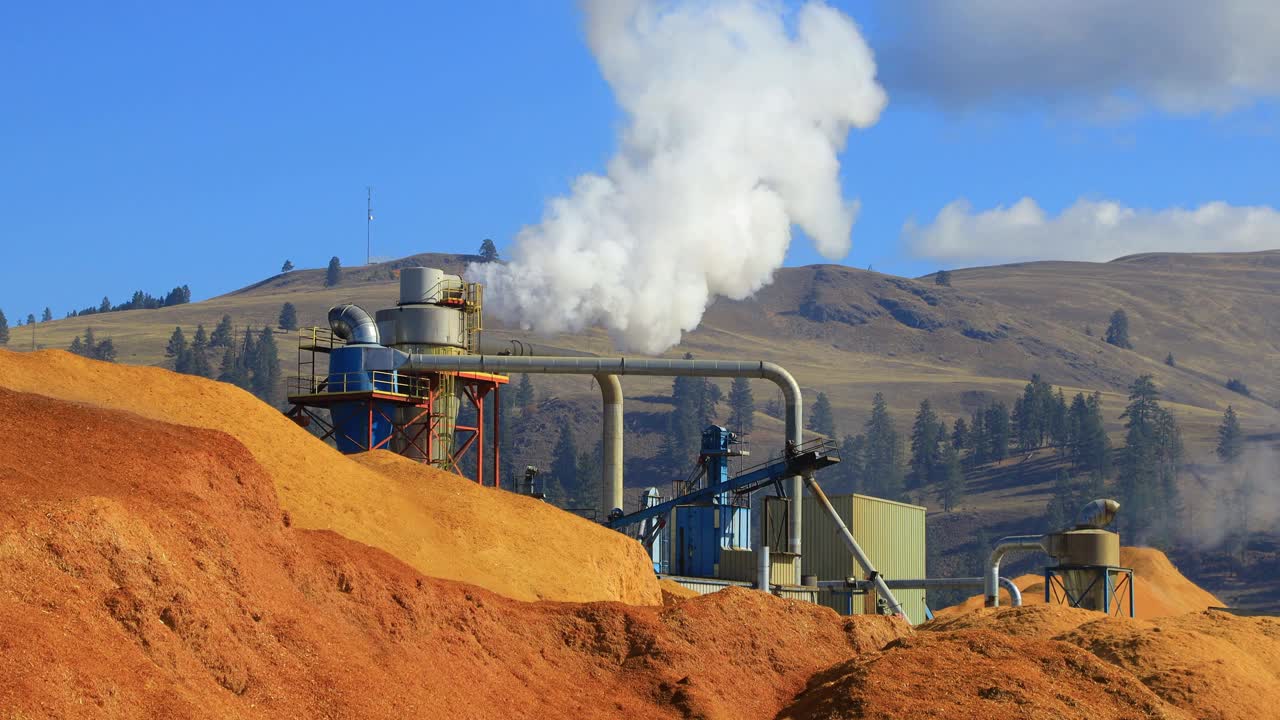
(368, 226)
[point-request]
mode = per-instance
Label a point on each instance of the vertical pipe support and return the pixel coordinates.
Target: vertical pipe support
(611, 443)
(497, 436)
(762, 569)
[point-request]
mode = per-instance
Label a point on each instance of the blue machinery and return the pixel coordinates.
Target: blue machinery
(712, 510)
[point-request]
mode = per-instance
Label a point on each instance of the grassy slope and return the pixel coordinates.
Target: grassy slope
(852, 333)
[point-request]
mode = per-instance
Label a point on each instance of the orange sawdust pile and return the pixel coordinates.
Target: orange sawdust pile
(977, 674)
(1211, 664)
(1160, 589)
(436, 522)
(1027, 621)
(151, 572)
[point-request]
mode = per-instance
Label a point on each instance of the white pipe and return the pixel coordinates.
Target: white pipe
(611, 442)
(991, 580)
(1015, 594)
(762, 569)
(662, 367)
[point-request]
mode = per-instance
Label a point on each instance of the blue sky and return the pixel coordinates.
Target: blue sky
(146, 145)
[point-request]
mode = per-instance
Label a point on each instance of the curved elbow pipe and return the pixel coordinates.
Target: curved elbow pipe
(661, 367)
(353, 324)
(611, 443)
(1015, 594)
(991, 580)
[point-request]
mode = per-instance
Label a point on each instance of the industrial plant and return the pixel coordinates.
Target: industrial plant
(397, 379)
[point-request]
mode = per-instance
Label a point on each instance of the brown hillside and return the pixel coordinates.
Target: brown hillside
(851, 333)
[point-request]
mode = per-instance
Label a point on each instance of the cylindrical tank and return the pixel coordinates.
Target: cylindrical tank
(420, 325)
(1083, 556)
(420, 285)
(386, 322)
(429, 325)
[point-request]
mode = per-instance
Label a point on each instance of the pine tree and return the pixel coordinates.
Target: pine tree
(77, 346)
(587, 472)
(105, 351)
(4, 329)
(883, 456)
(333, 275)
(1061, 508)
(943, 277)
(287, 266)
(1149, 463)
(1058, 421)
(524, 393)
(997, 430)
(105, 305)
(821, 420)
(926, 433)
(488, 251)
(31, 319)
(960, 434)
(979, 442)
(1118, 330)
(1230, 437)
(47, 316)
(1168, 360)
(1024, 422)
(288, 317)
(265, 365)
(90, 342)
(851, 472)
(200, 354)
(221, 336)
(177, 344)
(564, 463)
(950, 478)
(742, 406)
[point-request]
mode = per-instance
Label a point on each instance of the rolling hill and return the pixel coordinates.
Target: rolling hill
(852, 333)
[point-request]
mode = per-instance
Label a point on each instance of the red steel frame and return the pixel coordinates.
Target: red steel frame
(475, 388)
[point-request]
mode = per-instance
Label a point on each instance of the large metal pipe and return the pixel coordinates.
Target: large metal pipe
(843, 531)
(1015, 594)
(353, 324)
(661, 367)
(611, 442)
(990, 580)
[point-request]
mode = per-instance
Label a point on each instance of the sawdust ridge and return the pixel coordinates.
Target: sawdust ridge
(436, 522)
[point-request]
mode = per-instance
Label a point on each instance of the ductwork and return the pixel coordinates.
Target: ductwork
(1015, 594)
(611, 442)
(662, 367)
(991, 587)
(353, 324)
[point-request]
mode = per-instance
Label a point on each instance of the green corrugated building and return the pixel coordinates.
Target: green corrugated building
(891, 533)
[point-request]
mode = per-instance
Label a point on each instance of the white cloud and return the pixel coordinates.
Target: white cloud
(1183, 56)
(1089, 230)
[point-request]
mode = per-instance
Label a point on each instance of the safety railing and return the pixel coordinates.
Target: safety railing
(319, 338)
(358, 381)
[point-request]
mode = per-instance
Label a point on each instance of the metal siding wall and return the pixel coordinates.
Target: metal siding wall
(892, 534)
(824, 553)
(738, 565)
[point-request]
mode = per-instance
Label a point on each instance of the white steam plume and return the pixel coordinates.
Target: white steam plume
(736, 113)
(1230, 501)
